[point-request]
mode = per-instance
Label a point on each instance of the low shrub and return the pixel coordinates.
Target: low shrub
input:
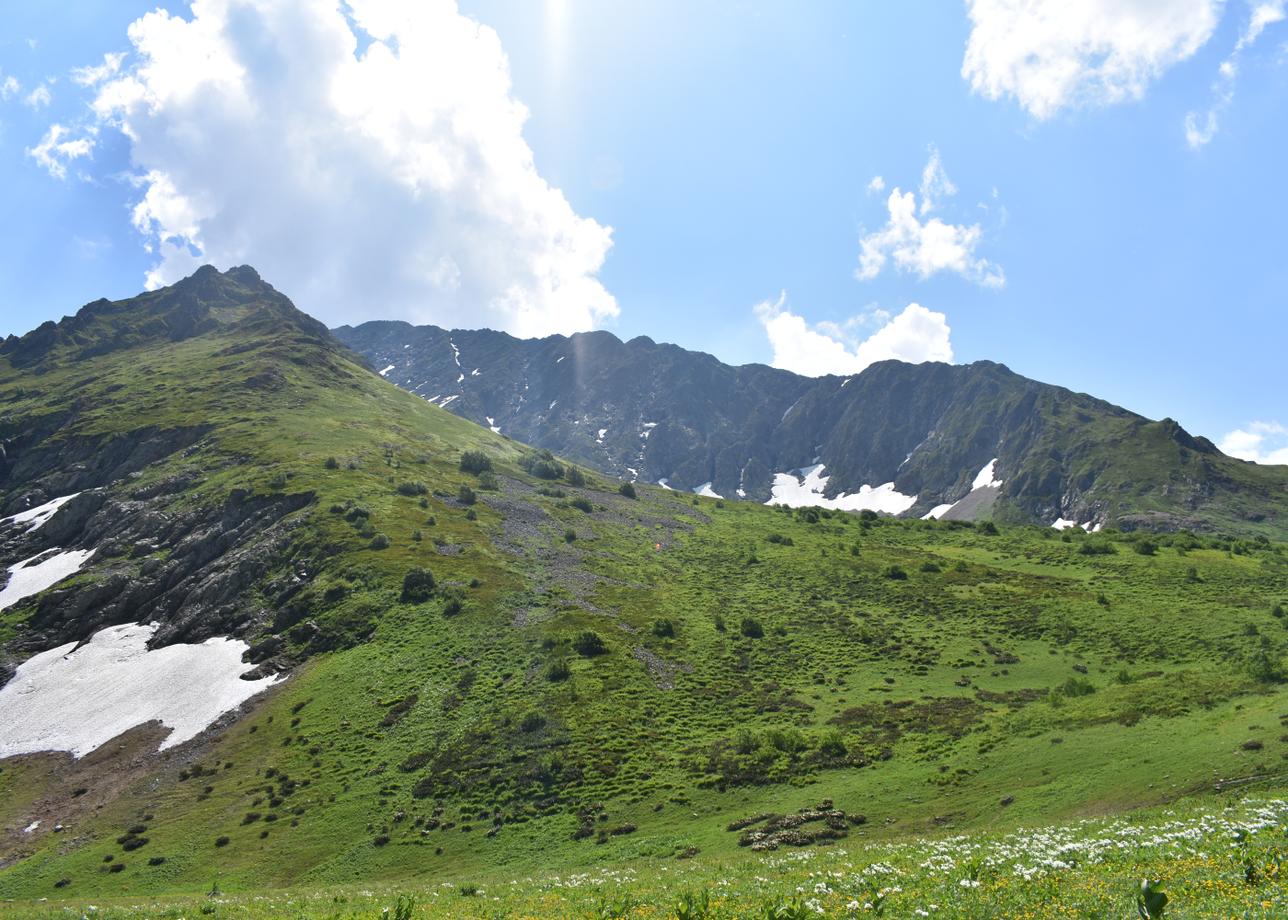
(627, 489)
(589, 644)
(475, 461)
(418, 586)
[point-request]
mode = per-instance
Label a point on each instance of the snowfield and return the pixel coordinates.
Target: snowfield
(385, 372)
(705, 489)
(77, 699)
(804, 487)
(985, 477)
(936, 512)
(31, 576)
(37, 517)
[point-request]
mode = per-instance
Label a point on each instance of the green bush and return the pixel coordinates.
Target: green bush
(751, 628)
(412, 489)
(1146, 548)
(582, 504)
(570, 535)
(627, 489)
(465, 495)
(557, 671)
(380, 541)
(780, 539)
(588, 644)
(475, 461)
(576, 477)
(542, 465)
(663, 628)
(332, 463)
(417, 586)
(487, 481)
(895, 573)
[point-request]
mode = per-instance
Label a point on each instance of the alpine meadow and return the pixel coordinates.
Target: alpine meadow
(412, 573)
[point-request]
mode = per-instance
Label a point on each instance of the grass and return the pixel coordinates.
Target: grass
(421, 745)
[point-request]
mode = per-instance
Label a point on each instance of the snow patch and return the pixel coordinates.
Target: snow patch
(460, 378)
(35, 518)
(741, 493)
(1089, 527)
(31, 827)
(77, 699)
(475, 372)
(448, 399)
(600, 437)
(663, 484)
(491, 423)
(936, 512)
(561, 357)
(385, 372)
(985, 478)
(805, 487)
(705, 489)
(41, 571)
(456, 352)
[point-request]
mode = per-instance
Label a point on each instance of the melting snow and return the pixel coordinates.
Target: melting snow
(31, 576)
(456, 352)
(448, 399)
(1062, 524)
(77, 699)
(600, 437)
(460, 378)
(475, 372)
(807, 488)
(663, 484)
(491, 423)
(31, 827)
(561, 357)
(35, 518)
(385, 372)
(705, 489)
(985, 477)
(936, 512)
(741, 493)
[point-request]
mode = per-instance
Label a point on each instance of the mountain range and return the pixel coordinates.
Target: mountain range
(967, 441)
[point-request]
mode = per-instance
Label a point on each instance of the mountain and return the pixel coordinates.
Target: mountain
(897, 438)
(268, 621)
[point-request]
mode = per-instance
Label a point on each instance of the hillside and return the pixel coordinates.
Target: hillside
(224, 662)
(897, 438)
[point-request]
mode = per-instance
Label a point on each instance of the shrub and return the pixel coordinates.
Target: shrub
(475, 461)
(465, 495)
(1146, 548)
(277, 482)
(471, 515)
(332, 463)
(487, 482)
(589, 644)
(576, 477)
(780, 539)
(1077, 686)
(582, 504)
(929, 567)
(1265, 668)
(1277, 611)
(895, 573)
(1192, 575)
(542, 465)
(719, 623)
(627, 489)
(532, 721)
(380, 541)
(558, 671)
(570, 535)
(418, 586)
(221, 841)
(751, 628)
(664, 628)
(412, 489)
(453, 606)
(988, 528)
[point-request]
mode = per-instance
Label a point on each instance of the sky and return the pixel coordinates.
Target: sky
(1093, 194)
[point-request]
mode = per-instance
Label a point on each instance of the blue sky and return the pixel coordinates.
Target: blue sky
(1058, 216)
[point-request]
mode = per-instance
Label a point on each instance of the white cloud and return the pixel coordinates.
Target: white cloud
(93, 75)
(393, 182)
(1053, 54)
(1200, 129)
(915, 335)
(1260, 442)
(56, 149)
(39, 97)
(9, 87)
(876, 185)
(926, 247)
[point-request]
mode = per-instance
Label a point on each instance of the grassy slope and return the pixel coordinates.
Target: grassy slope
(890, 669)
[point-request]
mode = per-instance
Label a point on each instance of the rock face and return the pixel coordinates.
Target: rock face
(654, 412)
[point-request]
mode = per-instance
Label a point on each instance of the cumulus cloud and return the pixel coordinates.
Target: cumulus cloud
(9, 87)
(1260, 442)
(1201, 128)
(366, 156)
(95, 74)
(1053, 54)
(39, 97)
(58, 148)
(925, 245)
(876, 185)
(915, 335)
